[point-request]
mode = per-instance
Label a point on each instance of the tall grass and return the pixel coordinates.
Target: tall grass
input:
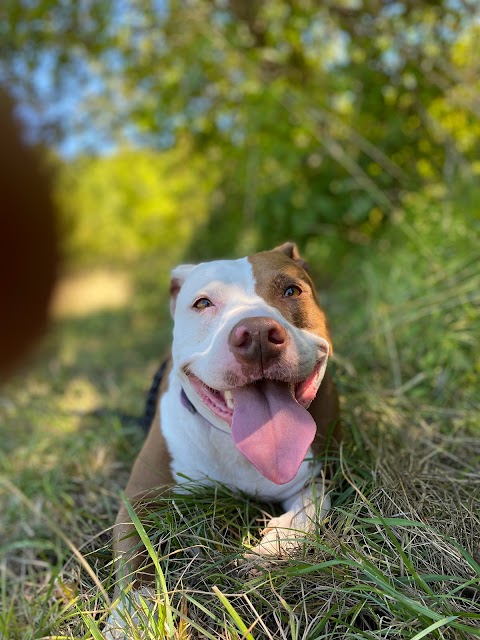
(397, 557)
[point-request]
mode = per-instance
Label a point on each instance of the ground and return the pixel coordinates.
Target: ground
(398, 556)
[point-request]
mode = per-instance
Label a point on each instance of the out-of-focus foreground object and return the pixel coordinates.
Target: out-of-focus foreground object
(28, 243)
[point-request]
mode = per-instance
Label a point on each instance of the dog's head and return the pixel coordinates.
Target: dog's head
(251, 347)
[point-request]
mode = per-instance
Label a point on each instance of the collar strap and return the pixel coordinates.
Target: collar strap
(189, 406)
(186, 402)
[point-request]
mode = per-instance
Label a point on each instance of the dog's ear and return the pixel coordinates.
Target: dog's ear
(290, 249)
(178, 276)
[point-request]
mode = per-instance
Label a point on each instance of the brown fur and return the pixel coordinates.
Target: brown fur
(325, 410)
(274, 271)
(150, 479)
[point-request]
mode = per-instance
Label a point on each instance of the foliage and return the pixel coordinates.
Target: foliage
(320, 116)
(116, 208)
(420, 286)
(209, 127)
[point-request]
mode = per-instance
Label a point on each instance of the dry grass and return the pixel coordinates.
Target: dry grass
(398, 556)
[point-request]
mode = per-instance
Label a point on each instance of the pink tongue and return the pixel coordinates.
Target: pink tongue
(271, 429)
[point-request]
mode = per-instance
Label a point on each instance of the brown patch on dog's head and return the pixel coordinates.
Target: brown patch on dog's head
(278, 270)
(290, 249)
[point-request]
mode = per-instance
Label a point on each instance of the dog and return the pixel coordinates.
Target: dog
(245, 400)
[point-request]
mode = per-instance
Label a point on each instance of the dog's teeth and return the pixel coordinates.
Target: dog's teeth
(229, 399)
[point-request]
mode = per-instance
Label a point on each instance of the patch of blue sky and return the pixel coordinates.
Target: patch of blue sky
(224, 121)
(52, 110)
(393, 9)
(392, 60)
(56, 104)
(329, 45)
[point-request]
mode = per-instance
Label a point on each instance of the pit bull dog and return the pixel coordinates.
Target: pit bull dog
(246, 400)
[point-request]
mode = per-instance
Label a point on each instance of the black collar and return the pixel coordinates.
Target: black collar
(189, 406)
(186, 402)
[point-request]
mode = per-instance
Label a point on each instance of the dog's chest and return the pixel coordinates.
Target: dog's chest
(202, 452)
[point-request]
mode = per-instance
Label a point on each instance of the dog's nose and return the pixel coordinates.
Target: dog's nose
(258, 339)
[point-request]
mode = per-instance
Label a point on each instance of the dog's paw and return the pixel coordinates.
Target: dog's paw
(279, 539)
(132, 612)
(284, 535)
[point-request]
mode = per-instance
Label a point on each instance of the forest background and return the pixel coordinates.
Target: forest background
(188, 130)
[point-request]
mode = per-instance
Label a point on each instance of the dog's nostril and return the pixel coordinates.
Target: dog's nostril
(276, 335)
(241, 337)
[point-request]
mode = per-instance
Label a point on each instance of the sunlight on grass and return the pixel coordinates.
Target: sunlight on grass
(80, 395)
(89, 292)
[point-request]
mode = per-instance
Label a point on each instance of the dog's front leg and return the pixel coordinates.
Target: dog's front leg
(303, 511)
(150, 480)
(133, 578)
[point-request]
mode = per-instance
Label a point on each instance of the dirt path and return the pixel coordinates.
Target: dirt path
(97, 290)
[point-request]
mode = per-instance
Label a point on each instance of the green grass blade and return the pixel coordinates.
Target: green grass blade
(241, 626)
(91, 624)
(159, 572)
(432, 627)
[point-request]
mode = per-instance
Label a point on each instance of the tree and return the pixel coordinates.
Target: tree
(320, 116)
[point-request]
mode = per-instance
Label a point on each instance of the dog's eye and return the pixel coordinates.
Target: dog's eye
(292, 291)
(202, 303)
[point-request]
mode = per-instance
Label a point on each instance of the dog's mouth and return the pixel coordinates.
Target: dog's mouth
(222, 403)
(269, 421)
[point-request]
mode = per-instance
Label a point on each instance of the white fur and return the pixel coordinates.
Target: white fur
(200, 339)
(133, 611)
(201, 451)
(285, 533)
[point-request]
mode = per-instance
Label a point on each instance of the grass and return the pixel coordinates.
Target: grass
(398, 556)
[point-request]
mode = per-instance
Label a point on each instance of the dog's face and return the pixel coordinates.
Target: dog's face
(251, 347)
